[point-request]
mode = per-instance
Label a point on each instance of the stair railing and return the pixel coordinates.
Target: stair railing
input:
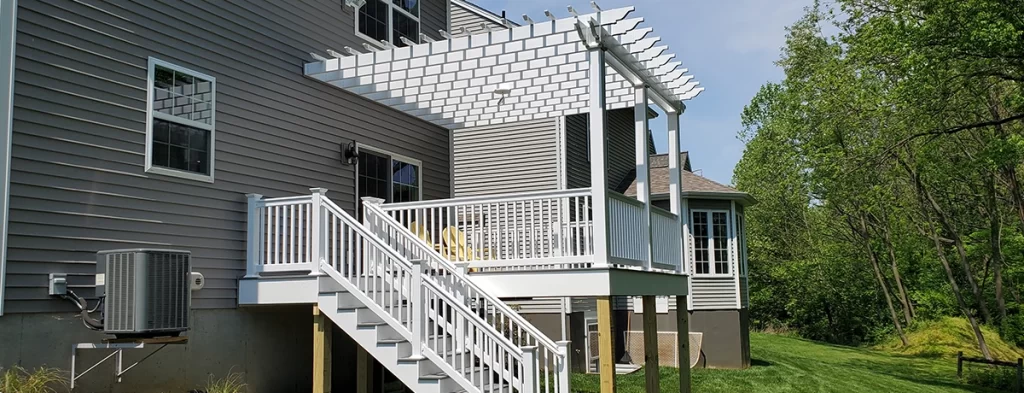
(438, 325)
(425, 298)
(546, 362)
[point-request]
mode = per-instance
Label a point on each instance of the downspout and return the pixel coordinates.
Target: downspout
(8, 32)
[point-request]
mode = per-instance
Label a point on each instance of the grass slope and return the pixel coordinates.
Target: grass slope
(786, 364)
(944, 337)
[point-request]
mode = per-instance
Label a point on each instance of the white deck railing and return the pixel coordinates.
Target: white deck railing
(472, 336)
(549, 229)
(666, 240)
(549, 358)
(629, 233)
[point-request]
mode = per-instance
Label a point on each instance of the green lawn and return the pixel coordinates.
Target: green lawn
(785, 364)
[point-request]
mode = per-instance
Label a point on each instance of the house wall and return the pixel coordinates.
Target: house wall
(464, 17)
(726, 335)
(270, 346)
(712, 293)
(78, 183)
(507, 158)
(621, 145)
(77, 170)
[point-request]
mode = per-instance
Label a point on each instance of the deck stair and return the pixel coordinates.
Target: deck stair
(413, 310)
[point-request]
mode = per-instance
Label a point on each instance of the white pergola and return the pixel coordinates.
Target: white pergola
(544, 69)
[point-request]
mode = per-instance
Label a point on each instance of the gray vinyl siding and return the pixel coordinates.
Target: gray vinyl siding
(78, 183)
(620, 143)
(470, 20)
(433, 17)
(506, 158)
(714, 293)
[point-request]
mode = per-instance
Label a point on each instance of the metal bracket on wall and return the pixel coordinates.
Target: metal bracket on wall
(119, 347)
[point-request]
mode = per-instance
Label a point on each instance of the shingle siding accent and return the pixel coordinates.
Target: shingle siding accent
(77, 171)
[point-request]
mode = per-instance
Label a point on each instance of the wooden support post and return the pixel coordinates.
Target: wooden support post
(651, 344)
(606, 344)
(683, 334)
(1020, 375)
(321, 352)
(364, 371)
(960, 365)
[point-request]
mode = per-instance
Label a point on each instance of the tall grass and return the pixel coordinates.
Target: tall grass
(41, 380)
(232, 383)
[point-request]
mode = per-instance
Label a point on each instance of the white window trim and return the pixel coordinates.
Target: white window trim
(391, 38)
(711, 240)
(9, 16)
(394, 156)
(153, 62)
(741, 240)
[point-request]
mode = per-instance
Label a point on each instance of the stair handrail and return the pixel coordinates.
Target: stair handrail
(514, 351)
(558, 350)
(455, 271)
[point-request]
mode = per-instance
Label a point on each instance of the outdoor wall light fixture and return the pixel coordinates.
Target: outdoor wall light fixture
(349, 155)
(355, 4)
(503, 90)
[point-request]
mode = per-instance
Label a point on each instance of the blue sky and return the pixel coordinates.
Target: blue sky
(728, 45)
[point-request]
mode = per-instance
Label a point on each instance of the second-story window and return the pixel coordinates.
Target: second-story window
(181, 126)
(710, 242)
(389, 20)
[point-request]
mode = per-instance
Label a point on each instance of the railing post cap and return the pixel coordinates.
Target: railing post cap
(317, 190)
(254, 196)
(417, 262)
(529, 349)
(373, 200)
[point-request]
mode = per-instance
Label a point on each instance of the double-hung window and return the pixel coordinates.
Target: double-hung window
(710, 241)
(180, 122)
(389, 21)
(388, 176)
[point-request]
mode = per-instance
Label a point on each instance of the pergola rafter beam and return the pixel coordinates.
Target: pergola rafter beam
(544, 65)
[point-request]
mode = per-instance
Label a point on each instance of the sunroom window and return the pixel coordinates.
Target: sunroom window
(389, 20)
(710, 242)
(180, 124)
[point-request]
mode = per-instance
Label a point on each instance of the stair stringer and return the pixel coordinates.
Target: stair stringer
(420, 375)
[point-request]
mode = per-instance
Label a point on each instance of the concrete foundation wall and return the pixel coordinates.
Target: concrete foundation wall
(270, 346)
(726, 341)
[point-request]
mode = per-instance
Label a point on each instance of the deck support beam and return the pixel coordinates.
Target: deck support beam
(364, 371)
(598, 158)
(606, 344)
(321, 352)
(683, 343)
(651, 362)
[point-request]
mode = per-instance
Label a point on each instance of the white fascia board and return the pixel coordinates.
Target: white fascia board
(9, 18)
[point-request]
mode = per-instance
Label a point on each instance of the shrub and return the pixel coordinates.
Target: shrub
(1012, 329)
(232, 383)
(41, 380)
(1001, 378)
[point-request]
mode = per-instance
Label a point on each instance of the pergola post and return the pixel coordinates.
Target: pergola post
(675, 187)
(598, 159)
(643, 170)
